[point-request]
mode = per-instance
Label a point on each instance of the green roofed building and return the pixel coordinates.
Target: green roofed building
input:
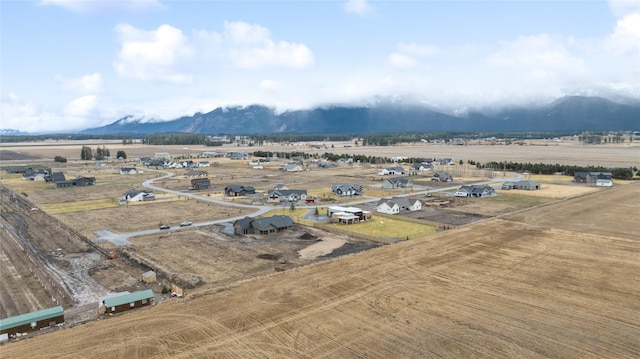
(32, 321)
(128, 301)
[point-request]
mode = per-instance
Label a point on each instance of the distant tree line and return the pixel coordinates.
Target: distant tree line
(548, 169)
(60, 137)
(175, 139)
(299, 137)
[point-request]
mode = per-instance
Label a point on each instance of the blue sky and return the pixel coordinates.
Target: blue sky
(68, 65)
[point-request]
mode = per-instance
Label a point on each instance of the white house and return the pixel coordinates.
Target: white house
(203, 164)
(397, 204)
(128, 171)
(392, 171)
(133, 195)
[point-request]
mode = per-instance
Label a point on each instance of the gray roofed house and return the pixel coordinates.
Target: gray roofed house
(441, 176)
(266, 225)
(134, 195)
(57, 177)
(287, 195)
(347, 189)
(526, 185)
(475, 191)
(397, 182)
(128, 171)
(237, 190)
(78, 181)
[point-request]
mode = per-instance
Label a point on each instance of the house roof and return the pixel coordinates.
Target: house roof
(400, 180)
(278, 221)
(286, 192)
(27, 318)
(399, 201)
(238, 188)
(57, 177)
(128, 298)
(243, 223)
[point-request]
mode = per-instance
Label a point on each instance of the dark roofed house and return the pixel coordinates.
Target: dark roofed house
(526, 185)
(266, 225)
(200, 183)
(287, 195)
(128, 171)
(18, 169)
(78, 181)
(475, 191)
(236, 190)
(397, 182)
(57, 177)
(441, 176)
(347, 189)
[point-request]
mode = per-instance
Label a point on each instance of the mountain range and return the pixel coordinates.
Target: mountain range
(566, 114)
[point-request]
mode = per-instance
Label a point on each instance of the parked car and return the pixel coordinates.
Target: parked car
(185, 223)
(165, 226)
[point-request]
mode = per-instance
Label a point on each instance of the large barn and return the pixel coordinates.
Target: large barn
(33, 321)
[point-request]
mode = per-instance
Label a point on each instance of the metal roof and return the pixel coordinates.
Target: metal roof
(128, 298)
(27, 318)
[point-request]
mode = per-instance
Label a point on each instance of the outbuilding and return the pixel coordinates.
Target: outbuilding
(128, 301)
(32, 321)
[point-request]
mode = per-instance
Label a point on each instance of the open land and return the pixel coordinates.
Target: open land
(547, 273)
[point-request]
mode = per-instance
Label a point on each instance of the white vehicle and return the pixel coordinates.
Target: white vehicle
(185, 224)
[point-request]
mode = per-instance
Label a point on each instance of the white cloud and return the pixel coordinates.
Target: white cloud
(105, 6)
(624, 7)
(358, 7)
(408, 55)
(269, 85)
(250, 46)
(401, 61)
(540, 56)
(82, 106)
(18, 114)
(626, 36)
(152, 55)
(88, 84)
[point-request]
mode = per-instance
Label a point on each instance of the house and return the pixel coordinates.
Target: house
(196, 173)
(162, 155)
(604, 179)
(347, 215)
(397, 204)
(392, 171)
(280, 186)
(78, 181)
(209, 154)
(36, 174)
(237, 155)
(199, 184)
(287, 195)
(422, 166)
(128, 171)
(266, 225)
(326, 165)
(201, 164)
(441, 176)
(397, 182)
(127, 301)
(57, 177)
(18, 169)
(236, 190)
(153, 162)
(526, 185)
(445, 161)
(475, 191)
(291, 167)
(347, 189)
(33, 321)
(134, 195)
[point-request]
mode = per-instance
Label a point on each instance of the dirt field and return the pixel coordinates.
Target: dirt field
(500, 288)
(503, 276)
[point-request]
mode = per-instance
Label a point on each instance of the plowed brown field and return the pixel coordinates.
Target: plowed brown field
(561, 281)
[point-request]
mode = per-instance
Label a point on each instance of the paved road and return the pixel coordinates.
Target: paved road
(122, 239)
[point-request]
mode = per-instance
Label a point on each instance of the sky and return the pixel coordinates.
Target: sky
(68, 65)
